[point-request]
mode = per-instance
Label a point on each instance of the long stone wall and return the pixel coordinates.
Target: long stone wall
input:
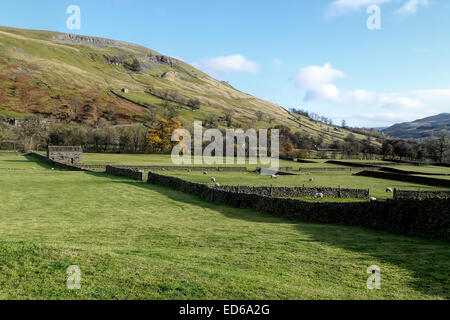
(421, 195)
(406, 178)
(182, 168)
(349, 169)
(55, 164)
(426, 218)
(297, 192)
(128, 173)
(392, 170)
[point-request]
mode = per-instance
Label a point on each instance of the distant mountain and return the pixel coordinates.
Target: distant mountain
(421, 128)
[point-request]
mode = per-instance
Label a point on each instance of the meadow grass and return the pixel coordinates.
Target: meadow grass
(165, 160)
(133, 240)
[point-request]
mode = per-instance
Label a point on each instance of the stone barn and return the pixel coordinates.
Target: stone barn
(71, 155)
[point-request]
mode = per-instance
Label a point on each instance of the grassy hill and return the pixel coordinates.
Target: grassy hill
(74, 78)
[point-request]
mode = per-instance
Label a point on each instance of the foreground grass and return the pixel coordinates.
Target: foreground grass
(320, 179)
(138, 241)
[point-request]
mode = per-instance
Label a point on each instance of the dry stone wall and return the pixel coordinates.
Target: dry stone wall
(425, 218)
(421, 195)
(128, 173)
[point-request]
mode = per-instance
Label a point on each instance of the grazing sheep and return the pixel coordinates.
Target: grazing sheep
(53, 168)
(205, 173)
(274, 176)
(318, 195)
(217, 185)
(373, 199)
(213, 179)
(311, 179)
(163, 169)
(389, 190)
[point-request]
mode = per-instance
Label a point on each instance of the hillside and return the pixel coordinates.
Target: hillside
(421, 128)
(77, 78)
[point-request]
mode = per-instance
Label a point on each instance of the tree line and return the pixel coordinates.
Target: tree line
(36, 133)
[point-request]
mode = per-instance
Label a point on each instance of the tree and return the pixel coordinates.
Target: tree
(159, 138)
(229, 118)
(1, 134)
(344, 123)
(135, 66)
(194, 104)
(287, 147)
(443, 144)
(259, 115)
(212, 121)
(33, 132)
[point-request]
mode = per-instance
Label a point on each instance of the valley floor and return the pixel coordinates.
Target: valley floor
(132, 240)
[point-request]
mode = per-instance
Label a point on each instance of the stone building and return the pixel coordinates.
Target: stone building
(71, 155)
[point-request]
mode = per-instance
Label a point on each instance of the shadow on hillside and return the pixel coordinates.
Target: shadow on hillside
(427, 260)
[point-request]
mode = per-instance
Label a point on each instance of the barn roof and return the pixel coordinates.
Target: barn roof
(65, 149)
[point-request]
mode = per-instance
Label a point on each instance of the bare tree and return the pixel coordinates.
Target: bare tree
(259, 115)
(194, 103)
(229, 118)
(33, 132)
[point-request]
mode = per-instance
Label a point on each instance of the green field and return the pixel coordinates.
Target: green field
(165, 160)
(320, 179)
(132, 240)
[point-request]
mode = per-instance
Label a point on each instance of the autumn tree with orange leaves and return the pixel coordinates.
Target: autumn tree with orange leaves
(159, 138)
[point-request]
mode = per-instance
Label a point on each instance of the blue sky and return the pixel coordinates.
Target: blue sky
(318, 55)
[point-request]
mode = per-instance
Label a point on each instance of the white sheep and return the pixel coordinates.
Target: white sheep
(217, 185)
(389, 190)
(213, 179)
(274, 176)
(205, 173)
(311, 179)
(53, 168)
(318, 195)
(373, 199)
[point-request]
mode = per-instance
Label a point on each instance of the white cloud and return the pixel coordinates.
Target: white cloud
(319, 82)
(328, 92)
(316, 76)
(375, 107)
(277, 61)
(433, 95)
(228, 64)
(411, 6)
(338, 7)
(389, 117)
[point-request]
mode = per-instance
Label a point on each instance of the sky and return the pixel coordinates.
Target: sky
(369, 62)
